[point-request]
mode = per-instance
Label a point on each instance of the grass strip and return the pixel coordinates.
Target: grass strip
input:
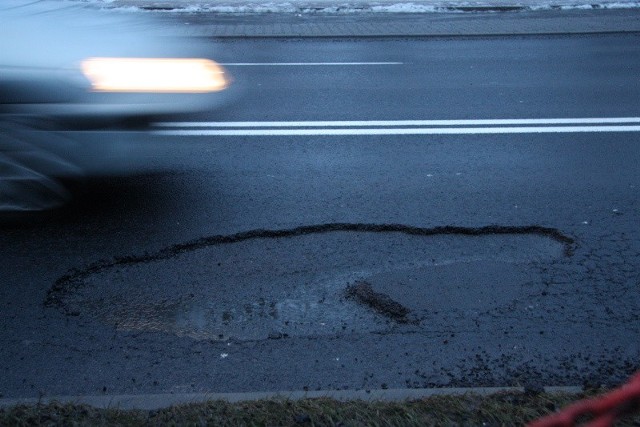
(508, 409)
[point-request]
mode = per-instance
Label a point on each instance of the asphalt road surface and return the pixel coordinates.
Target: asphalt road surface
(368, 214)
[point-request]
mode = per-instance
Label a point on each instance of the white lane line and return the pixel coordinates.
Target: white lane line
(302, 64)
(388, 123)
(397, 131)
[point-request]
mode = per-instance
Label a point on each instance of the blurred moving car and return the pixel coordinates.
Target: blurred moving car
(64, 66)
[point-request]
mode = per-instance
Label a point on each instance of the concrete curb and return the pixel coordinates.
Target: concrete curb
(402, 35)
(158, 401)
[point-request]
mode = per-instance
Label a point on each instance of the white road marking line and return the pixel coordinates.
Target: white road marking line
(388, 123)
(398, 131)
(302, 64)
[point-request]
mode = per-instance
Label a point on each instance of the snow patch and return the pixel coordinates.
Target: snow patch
(323, 6)
(406, 8)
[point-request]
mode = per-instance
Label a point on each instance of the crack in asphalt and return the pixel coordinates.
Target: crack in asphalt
(72, 280)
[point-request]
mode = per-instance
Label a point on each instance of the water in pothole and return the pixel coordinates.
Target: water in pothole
(277, 287)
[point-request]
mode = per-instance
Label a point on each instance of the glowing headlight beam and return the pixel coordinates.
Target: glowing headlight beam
(161, 75)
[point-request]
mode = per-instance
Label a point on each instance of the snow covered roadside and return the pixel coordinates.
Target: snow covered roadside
(357, 6)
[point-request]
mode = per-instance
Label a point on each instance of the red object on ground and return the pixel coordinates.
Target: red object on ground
(603, 410)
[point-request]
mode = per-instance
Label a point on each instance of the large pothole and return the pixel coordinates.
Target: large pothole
(275, 284)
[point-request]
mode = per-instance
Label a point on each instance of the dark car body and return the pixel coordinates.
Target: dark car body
(66, 67)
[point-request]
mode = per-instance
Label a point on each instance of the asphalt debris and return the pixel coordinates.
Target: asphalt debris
(382, 303)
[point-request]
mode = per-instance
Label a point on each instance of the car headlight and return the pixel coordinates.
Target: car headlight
(161, 75)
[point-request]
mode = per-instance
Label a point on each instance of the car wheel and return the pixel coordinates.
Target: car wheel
(32, 162)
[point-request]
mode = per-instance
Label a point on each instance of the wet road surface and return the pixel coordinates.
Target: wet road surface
(302, 262)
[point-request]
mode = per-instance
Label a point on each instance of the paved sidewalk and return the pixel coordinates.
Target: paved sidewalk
(401, 25)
